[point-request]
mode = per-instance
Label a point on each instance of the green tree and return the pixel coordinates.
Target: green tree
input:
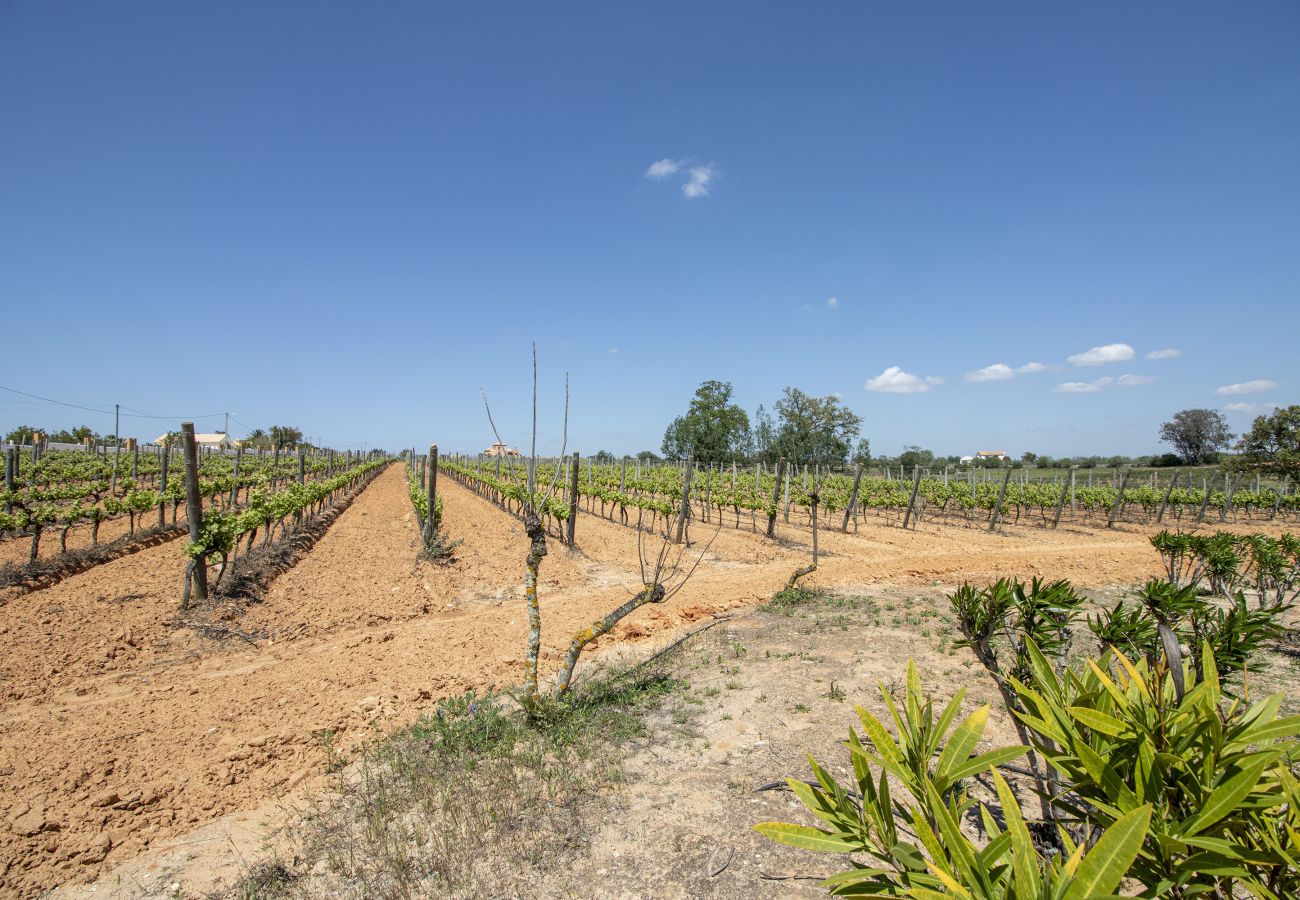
(1272, 446)
(862, 454)
(21, 435)
(713, 430)
(1196, 433)
(604, 456)
(285, 436)
(913, 456)
(814, 429)
(648, 456)
(763, 435)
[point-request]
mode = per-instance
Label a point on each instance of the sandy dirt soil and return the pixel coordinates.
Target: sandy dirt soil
(125, 732)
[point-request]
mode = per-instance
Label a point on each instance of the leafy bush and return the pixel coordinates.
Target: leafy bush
(931, 759)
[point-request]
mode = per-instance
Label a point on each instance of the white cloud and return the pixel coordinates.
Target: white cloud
(995, 372)
(1169, 353)
(833, 302)
(1099, 356)
(1091, 387)
(1253, 409)
(1257, 386)
(698, 183)
(612, 350)
(1031, 368)
(895, 381)
(663, 168)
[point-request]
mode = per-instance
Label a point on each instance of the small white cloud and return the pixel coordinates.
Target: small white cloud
(1132, 380)
(663, 168)
(612, 350)
(833, 302)
(933, 379)
(1169, 353)
(806, 309)
(701, 177)
(1099, 356)
(1078, 387)
(995, 372)
(1032, 368)
(895, 381)
(1253, 409)
(1257, 386)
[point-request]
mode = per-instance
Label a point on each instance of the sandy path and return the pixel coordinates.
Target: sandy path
(118, 741)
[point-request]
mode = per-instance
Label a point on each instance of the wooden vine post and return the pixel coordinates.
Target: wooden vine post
(911, 501)
(1277, 496)
(11, 467)
(1060, 504)
(1164, 502)
(1205, 501)
(430, 521)
(197, 574)
(162, 486)
(571, 525)
(1228, 491)
(1119, 499)
(234, 480)
(686, 504)
(1002, 495)
(853, 499)
(776, 496)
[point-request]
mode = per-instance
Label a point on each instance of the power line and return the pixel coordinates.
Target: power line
(102, 412)
(141, 415)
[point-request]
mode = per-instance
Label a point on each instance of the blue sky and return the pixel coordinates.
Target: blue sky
(350, 217)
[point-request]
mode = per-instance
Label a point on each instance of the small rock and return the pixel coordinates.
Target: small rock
(104, 798)
(29, 823)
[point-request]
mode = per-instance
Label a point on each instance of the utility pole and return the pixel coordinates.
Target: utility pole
(227, 429)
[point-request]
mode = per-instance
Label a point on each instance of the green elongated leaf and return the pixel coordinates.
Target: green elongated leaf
(958, 846)
(881, 742)
(854, 876)
(950, 713)
(1210, 863)
(1103, 774)
(1024, 860)
(817, 803)
(806, 838)
(965, 737)
(986, 761)
(1228, 795)
(1044, 674)
(1288, 727)
(1098, 721)
(1104, 867)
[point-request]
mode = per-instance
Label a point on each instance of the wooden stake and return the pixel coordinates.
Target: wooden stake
(686, 504)
(997, 510)
(853, 500)
(776, 495)
(1119, 499)
(430, 521)
(194, 511)
(162, 486)
(572, 524)
(911, 501)
(1164, 503)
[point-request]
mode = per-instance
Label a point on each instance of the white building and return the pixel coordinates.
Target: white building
(215, 439)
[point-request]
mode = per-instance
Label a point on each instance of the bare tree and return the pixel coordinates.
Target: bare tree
(531, 508)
